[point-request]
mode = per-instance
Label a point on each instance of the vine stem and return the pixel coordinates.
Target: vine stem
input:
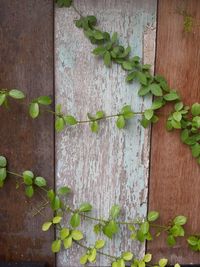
(98, 119)
(99, 252)
(15, 174)
(165, 228)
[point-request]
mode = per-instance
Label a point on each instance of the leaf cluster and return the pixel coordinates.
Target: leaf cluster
(176, 229)
(34, 106)
(30, 181)
(187, 119)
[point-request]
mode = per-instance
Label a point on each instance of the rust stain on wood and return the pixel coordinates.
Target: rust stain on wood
(174, 177)
(26, 48)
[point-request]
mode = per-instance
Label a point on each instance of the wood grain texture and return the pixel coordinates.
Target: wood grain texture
(26, 49)
(175, 176)
(112, 166)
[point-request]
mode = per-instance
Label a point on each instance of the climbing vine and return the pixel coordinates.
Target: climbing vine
(184, 118)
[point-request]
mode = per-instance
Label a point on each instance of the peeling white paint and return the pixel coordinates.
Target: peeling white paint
(112, 166)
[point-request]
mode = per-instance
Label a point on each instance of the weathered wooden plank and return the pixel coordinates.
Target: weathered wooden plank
(174, 178)
(26, 49)
(112, 166)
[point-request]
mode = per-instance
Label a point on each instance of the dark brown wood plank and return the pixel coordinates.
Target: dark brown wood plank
(174, 176)
(26, 49)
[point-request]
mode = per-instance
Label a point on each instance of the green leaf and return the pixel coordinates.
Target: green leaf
(127, 65)
(169, 126)
(148, 114)
(92, 255)
(40, 181)
(115, 211)
(17, 94)
(59, 124)
(100, 114)
(64, 3)
(67, 242)
(192, 240)
(177, 230)
(177, 116)
(195, 150)
(171, 96)
(184, 135)
(110, 229)
(75, 220)
(144, 90)
(177, 265)
(3, 174)
(94, 126)
(34, 110)
(58, 109)
(176, 124)
(178, 106)
(99, 51)
(3, 162)
(64, 190)
(163, 262)
(140, 236)
(180, 220)
(2, 98)
(171, 240)
(114, 37)
(155, 89)
(57, 219)
(141, 264)
(158, 103)
(107, 59)
(46, 226)
(55, 203)
(195, 109)
(83, 259)
(144, 122)
(153, 216)
(51, 195)
(29, 191)
(70, 120)
(144, 227)
(120, 122)
(147, 257)
(127, 112)
(127, 256)
(64, 233)
(44, 100)
(100, 244)
(131, 76)
(28, 177)
(114, 264)
(97, 228)
(77, 235)
(85, 207)
(92, 20)
(142, 78)
(98, 35)
(120, 263)
(56, 245)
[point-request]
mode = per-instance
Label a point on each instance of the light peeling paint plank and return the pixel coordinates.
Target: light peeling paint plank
(110, 167)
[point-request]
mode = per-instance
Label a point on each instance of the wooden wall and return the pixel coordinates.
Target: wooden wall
(26, 62)
(174, 174)
(110, 167)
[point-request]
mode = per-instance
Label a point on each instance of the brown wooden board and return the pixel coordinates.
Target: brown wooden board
(26, 50)
(175, 175)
